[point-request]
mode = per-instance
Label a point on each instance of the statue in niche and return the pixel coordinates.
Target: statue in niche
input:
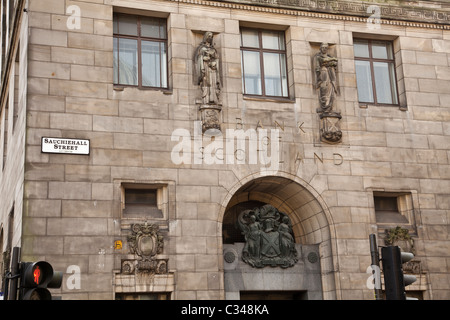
(326, 83)
(207, 66)
(206, 62)
(325, 68)
(269, 238)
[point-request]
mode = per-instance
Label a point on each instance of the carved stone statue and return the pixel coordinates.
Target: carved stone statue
(269, 238)
(207, 68)
(207, 65)
(325, 71)
(325, 68)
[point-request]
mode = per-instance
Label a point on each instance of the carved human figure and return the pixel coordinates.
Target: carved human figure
(252, 246)
(207, 65)
(325, 69)
(287, 243)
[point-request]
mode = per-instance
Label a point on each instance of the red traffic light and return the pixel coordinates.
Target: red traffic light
(36, 278)
(36, 274)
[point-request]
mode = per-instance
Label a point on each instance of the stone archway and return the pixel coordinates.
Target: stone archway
(309, 217)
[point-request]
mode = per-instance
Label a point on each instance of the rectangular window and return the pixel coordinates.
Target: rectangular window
(387, 210)
(140, 51)
(263, 58)
(394, 209)
(375, 72)
(141, 203)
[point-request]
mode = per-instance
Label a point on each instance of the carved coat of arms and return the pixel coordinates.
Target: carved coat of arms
(269, 238)
(146, 243)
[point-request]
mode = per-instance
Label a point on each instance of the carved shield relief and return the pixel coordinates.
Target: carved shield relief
(146, 242)
(146, 245)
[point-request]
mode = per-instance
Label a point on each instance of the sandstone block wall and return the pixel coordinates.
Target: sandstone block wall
(72, 203)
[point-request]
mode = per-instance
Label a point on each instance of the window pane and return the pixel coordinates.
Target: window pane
(393, 83)
(384, 83)
(153, 28)
(141, 203)
(272, 40)
(275, 79)
(127, 58)
(152, 63)
(163, 64)
(284, 81)
(116, 60)
(381, 50)
(361, 48)
(251, 72)
(272, 77)
(127, 25)
(140, 196)
(364, 81)
(249, 38)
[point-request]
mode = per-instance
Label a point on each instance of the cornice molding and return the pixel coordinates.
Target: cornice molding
(346, 10)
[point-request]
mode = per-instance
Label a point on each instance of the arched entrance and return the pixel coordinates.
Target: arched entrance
(312, 277)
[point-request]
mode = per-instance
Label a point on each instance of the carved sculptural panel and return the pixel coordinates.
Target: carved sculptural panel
(325, 67)
(207, 67)
(146, 243)
(269, 238)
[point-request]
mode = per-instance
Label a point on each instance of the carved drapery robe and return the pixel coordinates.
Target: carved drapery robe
(207, 65)
(325, 68)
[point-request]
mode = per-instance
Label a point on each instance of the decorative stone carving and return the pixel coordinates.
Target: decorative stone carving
(207, 68)
(128, 267)
(325, 68)
(330, 127)
(146, 242)
(269, 238)
(326, 84)
(210, 116)
(413, 266)
(313, 257)
(392, 12)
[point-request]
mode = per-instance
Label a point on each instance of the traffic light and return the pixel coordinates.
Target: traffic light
(394, 279)
(35, 278)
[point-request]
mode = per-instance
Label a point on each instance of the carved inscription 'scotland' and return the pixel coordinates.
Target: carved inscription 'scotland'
(269, 238)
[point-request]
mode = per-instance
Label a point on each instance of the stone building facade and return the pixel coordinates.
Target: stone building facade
(225, 149)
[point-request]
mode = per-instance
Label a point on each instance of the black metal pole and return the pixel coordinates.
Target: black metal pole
(6, 286)
(12, 294)
(375, 255)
